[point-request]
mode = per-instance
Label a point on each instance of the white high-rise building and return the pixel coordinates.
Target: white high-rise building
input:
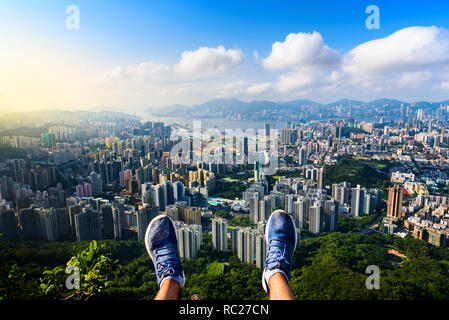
(219, 234)
(302, 156)
(96, 183)
(316, 218)
(357, 201)
(144, 217)
(300, 212)
(261, 250)
(189, 239)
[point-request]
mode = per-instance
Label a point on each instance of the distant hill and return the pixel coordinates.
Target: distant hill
(217, 107)
(387, 102)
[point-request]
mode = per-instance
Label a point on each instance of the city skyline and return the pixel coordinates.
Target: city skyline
(146, 55)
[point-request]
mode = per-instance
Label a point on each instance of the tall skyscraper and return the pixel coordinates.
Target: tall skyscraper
(96, 183)
(261, 250)
(173, 212)
(30, 222)
(265, 208)
(289, 136)
(178, 191)
(189, 239)
(8, 224)
(330, 215)
(341, 192)
(116, 220)
(267, 129)
(234, 238)
(322, 178)
(107, 222)
(219, 234)
(250, 244)
(254, 208)
(302, 156)
(241, 244)
(357, 201)
(144, 217)
(289, 200)
(395, 201)
(73, 210)
(160, 196)
(133, 186)
(300, 210)
(192, 215)
(316, 218)
(125, 176)
(87, 225)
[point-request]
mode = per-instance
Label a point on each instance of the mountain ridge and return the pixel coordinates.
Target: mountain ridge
(220, 105)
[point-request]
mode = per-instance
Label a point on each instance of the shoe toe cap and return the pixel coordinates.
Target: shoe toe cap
(281, 226)
(162, 231)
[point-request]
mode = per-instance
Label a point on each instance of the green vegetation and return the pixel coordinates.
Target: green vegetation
(233, 221)
(333, 267)
(358, 224)
(329, 266)
(288, 174)
(243, 173)
(8, 152)
(91, 272)
(357, 172)
(215, 269)
(228, 190)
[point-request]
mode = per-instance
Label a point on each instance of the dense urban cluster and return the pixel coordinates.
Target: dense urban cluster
(107, 180)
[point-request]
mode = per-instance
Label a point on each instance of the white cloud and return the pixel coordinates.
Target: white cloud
(192, 65)
(411, 62)
(413, 79)
(209, 60)
(334, 77)
(235, 87)
(445, 85)
(408, 49)
(300, 80)
(144, 71)
(258, 88)
(295, 80)
(301, 50)
(256, 55)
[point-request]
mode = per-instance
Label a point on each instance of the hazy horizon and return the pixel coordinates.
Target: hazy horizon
(144, 110)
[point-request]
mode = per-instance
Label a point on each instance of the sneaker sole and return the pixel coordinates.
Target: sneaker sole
(264, 285)
(147, 234)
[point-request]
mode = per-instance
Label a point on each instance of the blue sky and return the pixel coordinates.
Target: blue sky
(106, 61)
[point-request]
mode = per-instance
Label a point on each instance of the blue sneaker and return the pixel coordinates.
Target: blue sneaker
(162, 245)
(281, 238)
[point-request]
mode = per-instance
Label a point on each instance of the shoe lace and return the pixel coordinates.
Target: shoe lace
(277, 253)
(167, 262)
